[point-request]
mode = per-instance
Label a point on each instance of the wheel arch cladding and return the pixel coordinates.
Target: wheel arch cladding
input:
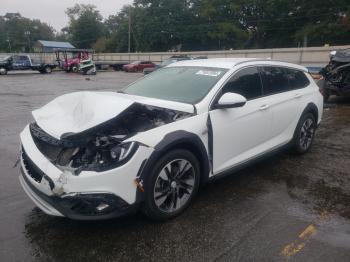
(311, 108)
(176, 140)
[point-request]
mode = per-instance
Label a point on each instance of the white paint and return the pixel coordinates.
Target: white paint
(239, 134)
(77, 112)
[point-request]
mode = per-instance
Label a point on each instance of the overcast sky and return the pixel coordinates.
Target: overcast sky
(52, 11)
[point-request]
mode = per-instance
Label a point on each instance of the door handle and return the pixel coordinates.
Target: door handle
(264, 107)
(298, 96)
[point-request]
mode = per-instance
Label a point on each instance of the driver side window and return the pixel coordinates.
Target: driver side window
(16, 59)
(245, 82)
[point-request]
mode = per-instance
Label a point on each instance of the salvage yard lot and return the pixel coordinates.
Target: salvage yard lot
(286, 207)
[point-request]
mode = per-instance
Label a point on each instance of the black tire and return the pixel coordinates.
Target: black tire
(48, 70)
(150, 208)
(304, 134)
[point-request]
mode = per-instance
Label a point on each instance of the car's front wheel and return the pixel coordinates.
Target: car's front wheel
(304, 133)
(3, 71)
(74, 69)
(172, 185)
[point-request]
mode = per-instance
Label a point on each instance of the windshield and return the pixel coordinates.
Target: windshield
(136, 62)
(180, 84)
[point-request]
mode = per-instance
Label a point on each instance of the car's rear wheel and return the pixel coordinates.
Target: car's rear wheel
(47, 70)
(172, 185)
(304, 133)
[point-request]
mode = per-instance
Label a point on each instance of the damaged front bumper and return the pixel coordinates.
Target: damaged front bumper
(87, 206)
(87, 196)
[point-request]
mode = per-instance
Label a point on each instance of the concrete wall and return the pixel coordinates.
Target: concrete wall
(310, 56)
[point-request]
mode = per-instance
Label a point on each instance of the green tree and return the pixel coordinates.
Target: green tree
(20, 34)
(161, 25)
(85, 25)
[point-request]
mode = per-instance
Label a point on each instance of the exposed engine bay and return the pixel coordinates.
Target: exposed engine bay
(101, 147)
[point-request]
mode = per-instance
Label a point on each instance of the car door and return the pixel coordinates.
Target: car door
(283, 105)
(25, 61)
(146, 65)
(151, 65)
(16, 62)
(239, 134)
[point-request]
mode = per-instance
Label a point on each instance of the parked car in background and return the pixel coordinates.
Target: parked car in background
(172, 59)
(138, 66)
(24, 62)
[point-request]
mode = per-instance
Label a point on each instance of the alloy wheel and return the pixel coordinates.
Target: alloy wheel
(174, 185)
(307, 133)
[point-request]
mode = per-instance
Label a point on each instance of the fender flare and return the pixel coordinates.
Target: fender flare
(312, 108)
(173, 140)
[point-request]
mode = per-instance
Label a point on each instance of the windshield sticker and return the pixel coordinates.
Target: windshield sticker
(208, 73)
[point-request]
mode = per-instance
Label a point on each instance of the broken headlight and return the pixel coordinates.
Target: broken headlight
(121, 152)
(103, 154)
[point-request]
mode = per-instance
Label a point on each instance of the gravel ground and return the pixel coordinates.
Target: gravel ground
(285, 208)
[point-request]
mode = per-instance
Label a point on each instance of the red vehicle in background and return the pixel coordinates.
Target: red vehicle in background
(138, 66)
(73, 62)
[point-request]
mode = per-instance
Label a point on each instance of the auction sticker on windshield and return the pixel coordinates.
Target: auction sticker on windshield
(209, 73)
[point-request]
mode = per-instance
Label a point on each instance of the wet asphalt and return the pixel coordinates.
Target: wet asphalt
(285, 208)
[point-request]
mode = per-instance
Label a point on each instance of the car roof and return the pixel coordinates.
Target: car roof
(229, 63)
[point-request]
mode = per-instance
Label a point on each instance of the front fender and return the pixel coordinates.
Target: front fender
(176, 139)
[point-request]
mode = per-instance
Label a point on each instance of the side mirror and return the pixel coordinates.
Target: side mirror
(230, 100)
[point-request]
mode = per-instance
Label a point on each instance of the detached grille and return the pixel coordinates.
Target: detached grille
(31, 168)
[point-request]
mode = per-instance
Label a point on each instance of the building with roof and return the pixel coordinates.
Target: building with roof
(50, 46)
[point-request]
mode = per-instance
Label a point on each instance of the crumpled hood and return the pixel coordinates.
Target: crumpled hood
(80, 111)
(76, 112)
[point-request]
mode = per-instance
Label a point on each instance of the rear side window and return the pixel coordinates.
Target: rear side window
(246, 82)
(274, 80)
(297, 79)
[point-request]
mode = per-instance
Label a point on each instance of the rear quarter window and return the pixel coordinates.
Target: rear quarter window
(297, 79)
(274, 80)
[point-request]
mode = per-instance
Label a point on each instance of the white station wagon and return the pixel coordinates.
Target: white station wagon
(98, 155)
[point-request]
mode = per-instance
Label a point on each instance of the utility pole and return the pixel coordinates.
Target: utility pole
(305, 40)
(129, 42)
(27, 33)
(9, 42)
